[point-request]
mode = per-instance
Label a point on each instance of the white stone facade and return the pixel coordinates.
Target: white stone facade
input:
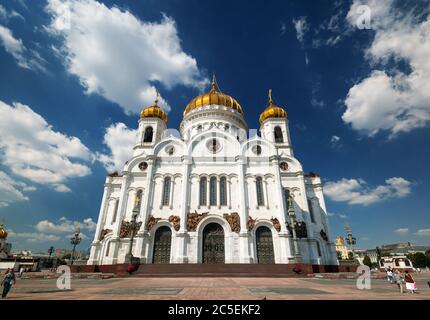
(168, 174)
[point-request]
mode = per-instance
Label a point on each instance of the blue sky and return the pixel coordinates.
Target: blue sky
(75, 74)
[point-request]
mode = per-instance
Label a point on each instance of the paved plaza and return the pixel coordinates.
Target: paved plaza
(213, 289)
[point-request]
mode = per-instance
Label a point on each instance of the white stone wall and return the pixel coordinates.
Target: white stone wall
(237, 160)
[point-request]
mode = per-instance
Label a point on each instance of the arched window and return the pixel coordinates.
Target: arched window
(259, 186)
(223, 191)
(212, 194)
(318, 249)
(166, 191)
(203, 191)
(311, 210)
(279, 138)
(138, 199)
(287, 196)
(149, 132)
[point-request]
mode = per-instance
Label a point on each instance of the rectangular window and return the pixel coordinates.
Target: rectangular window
(213, 189)
(203, 191)
(311, 210)
(318, 249)
(223, 191)
(260, 196)
(115, 211)
(166, 191)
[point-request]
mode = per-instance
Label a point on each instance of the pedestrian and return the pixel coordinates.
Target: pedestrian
(411, 285)
(390, 275)
(399, 280)
(21, 272)
(7, 282)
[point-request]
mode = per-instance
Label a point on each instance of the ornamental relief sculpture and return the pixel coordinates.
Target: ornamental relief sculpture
(175, 221)
(104, 233)
(276, 224)
(250, 224)
(125, 231)
(194, 219)
(233, 220)
(152, 221)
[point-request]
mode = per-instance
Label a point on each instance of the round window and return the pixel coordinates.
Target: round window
(170, 150)
(143, 166)
(257, 150)
(213, 145)
(283, 166)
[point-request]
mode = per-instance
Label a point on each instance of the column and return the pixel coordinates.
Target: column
(115, 241)
(266, 189)
(182, 235)
(95, 246)
(284, 235)
(244, 236)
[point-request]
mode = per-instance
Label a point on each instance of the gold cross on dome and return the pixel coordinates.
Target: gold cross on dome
(270, 96)
(157, 96)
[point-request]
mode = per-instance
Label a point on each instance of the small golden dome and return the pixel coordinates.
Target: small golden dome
(154, 111)
(214, 96)
(272, 110)
(3, 233)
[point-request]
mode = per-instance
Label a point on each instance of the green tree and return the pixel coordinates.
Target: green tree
(367, 262)
(339, 255)
(419, 260)
(67, 256)
(350, 256)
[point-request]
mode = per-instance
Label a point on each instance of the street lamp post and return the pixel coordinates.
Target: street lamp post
(75, 240)
(129, 258)
(350, 240)
(50, 252)
(292, 215)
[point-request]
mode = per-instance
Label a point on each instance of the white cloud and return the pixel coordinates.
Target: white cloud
(6, 15)
(423, 232)
(33, 236)
(24, 57)
(120, 141)
(402, 231)
(283, 28)
(32, 149)
(65, 226)
(390, 98)
(12, 191)
(120, 57)
(301, 27)
(356, 191)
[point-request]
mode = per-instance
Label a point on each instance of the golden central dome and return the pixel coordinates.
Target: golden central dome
(154, 111)
(3, 233)
(272, 110)
(214, 96)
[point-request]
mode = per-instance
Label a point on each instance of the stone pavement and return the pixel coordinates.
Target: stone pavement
(213, 289)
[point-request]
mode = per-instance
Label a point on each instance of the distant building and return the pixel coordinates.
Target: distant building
(395, 262)
(341, 247)
(79, 255)
(402, 249)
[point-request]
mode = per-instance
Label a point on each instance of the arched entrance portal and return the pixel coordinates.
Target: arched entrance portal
(213, 244)
(162, 244)
(265, 252)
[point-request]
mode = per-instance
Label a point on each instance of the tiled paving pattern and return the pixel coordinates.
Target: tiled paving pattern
(213, 288)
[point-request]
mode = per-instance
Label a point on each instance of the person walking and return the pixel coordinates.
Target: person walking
(399, 280)
(411, 285)
(7, 282)
(390, 275)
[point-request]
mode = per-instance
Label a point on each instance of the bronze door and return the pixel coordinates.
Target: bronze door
(265, 252)
(162, 244)
(213, 244)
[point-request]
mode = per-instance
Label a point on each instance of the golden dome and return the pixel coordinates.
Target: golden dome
(214, 96)
(154, 111)
(272, 110)
(3, 233)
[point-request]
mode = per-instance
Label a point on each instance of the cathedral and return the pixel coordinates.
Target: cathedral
(212, 194)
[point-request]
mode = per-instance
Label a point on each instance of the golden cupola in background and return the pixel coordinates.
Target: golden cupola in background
(154, 111)
(3, 232)
(272, 110)
(214, 96)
